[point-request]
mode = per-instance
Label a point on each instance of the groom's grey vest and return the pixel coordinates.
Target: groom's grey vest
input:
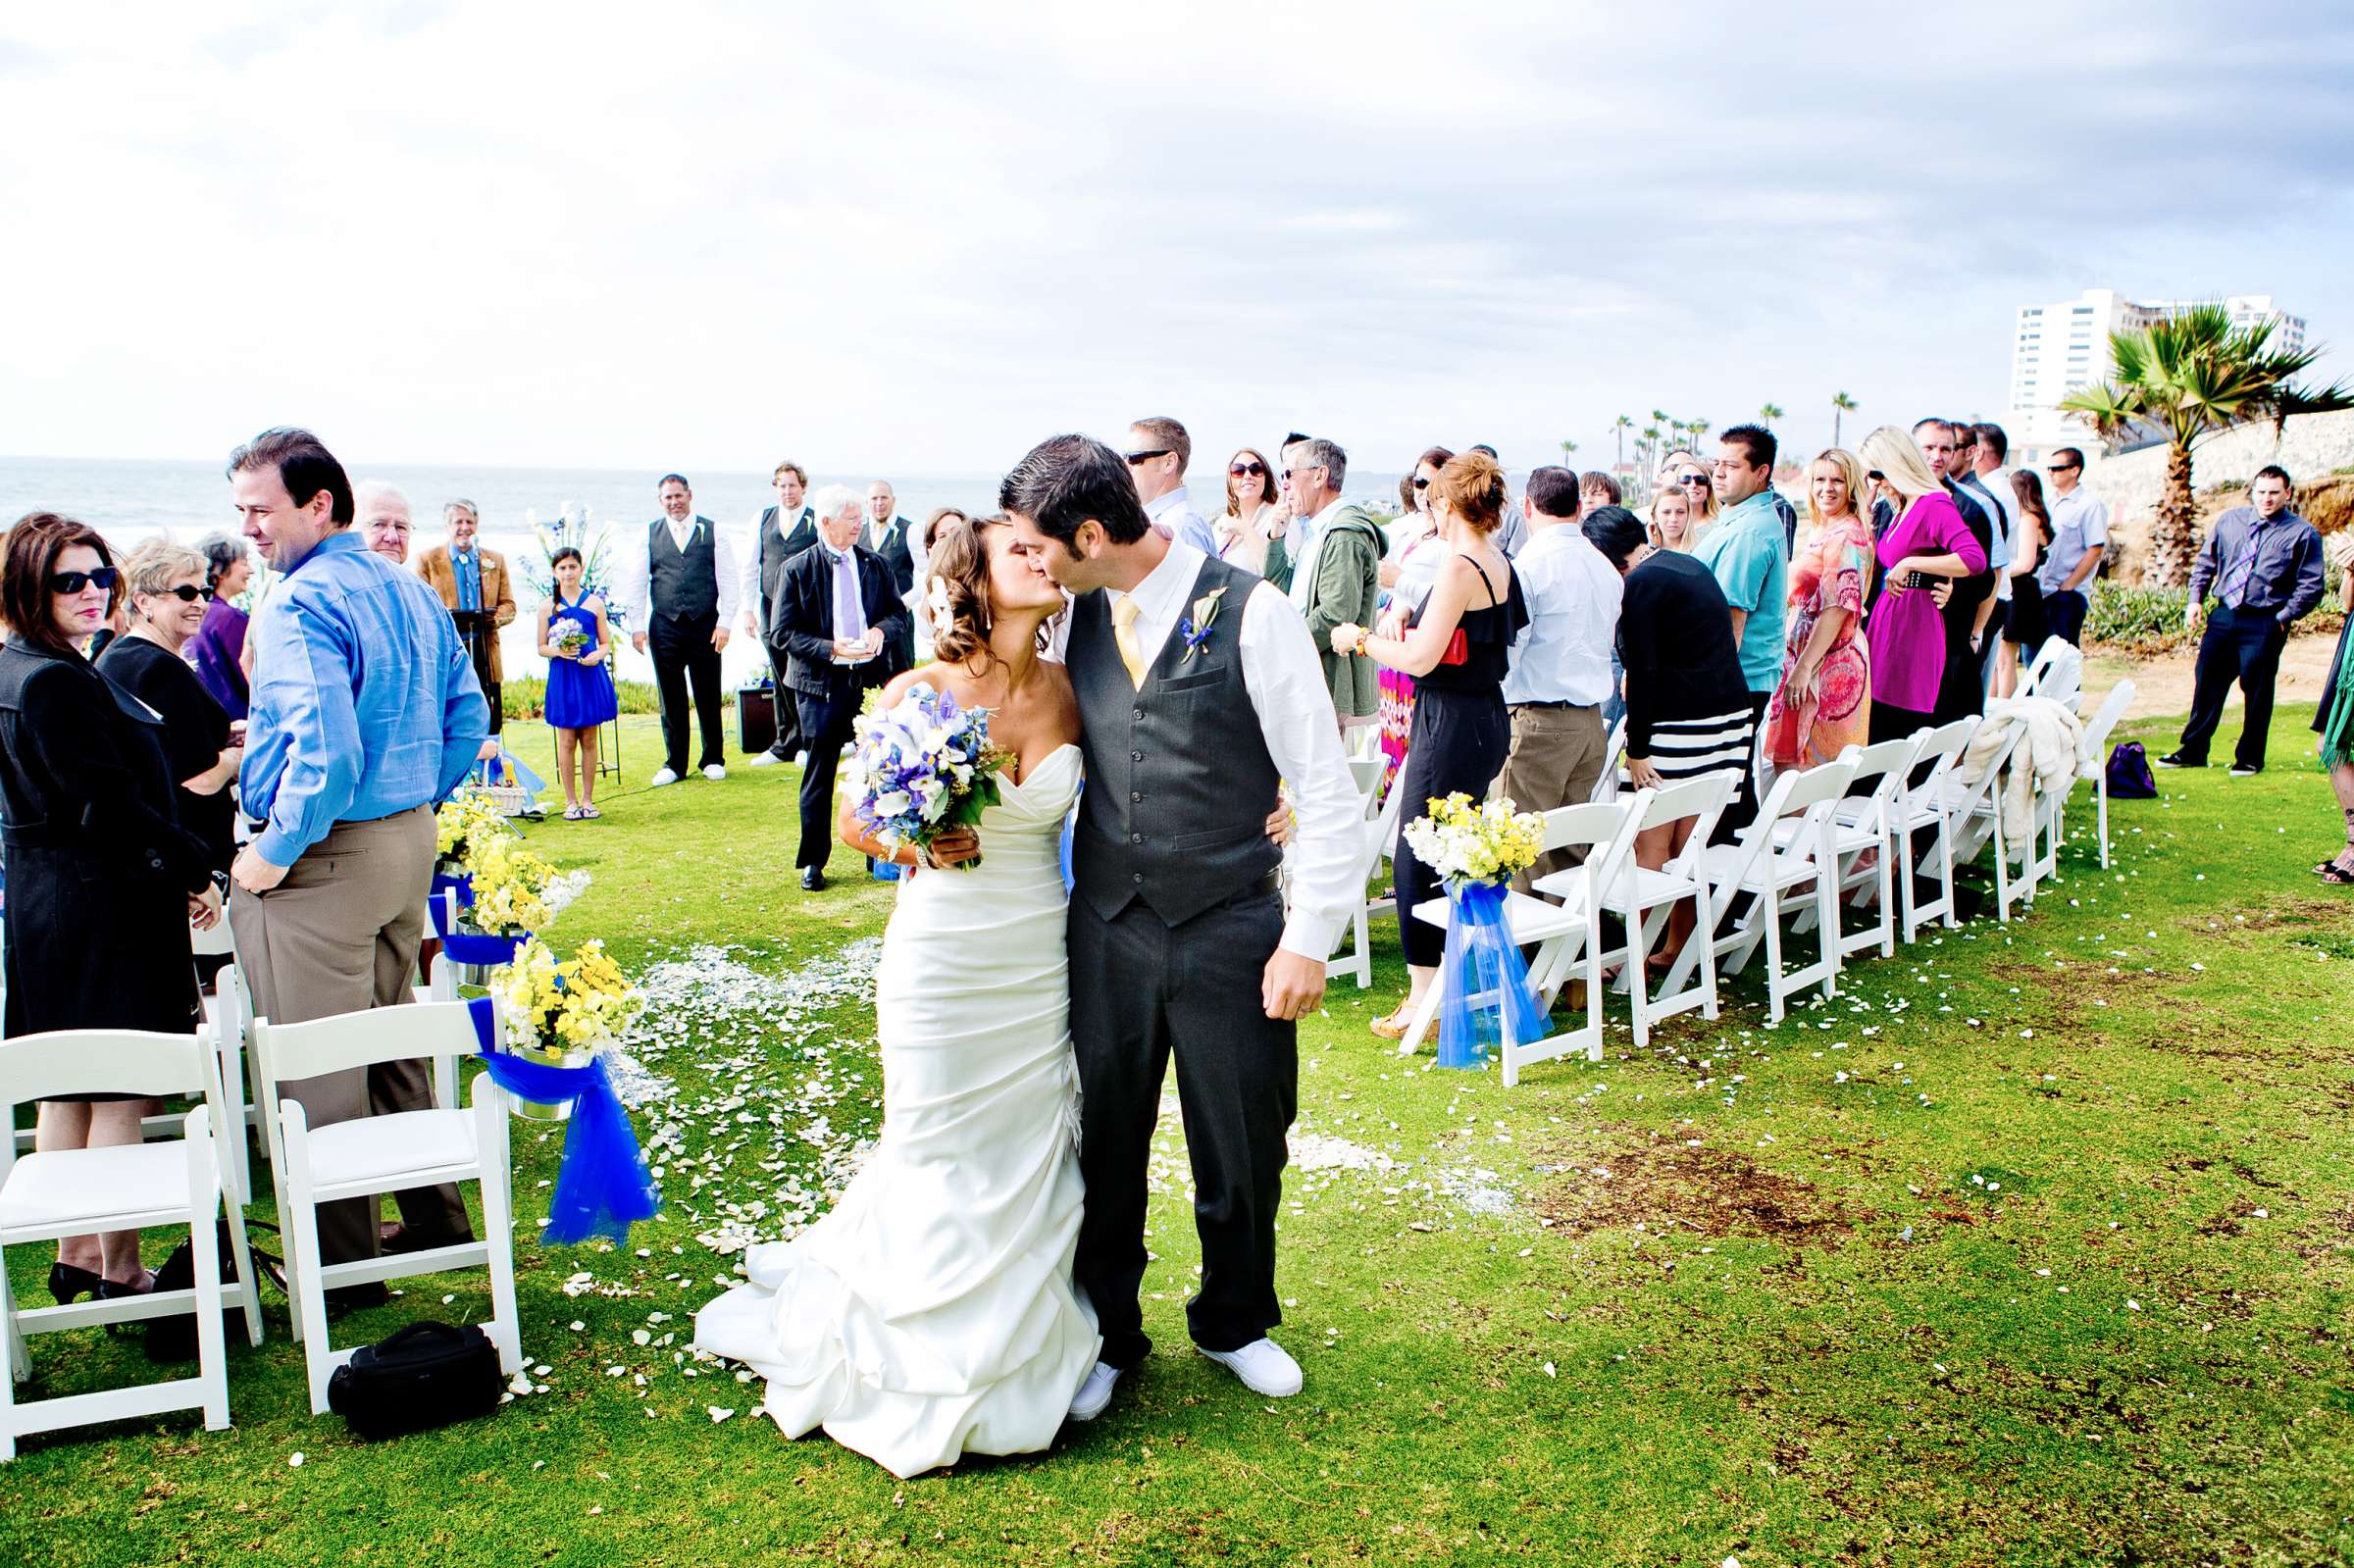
(1179, 782)
(683, 584)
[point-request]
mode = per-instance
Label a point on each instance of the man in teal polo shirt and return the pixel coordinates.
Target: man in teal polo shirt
(1749, 555)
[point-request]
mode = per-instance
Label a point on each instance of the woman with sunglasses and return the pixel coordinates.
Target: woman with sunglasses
(1686, 471)
(1415, 554)
(169, 599)
(1250, 532)
(103, 881)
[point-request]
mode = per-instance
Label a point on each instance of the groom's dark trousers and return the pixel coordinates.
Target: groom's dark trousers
(1138, 985)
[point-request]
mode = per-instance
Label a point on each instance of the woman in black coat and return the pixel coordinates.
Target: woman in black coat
(102, 881)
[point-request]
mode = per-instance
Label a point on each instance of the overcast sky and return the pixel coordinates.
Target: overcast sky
(919, 236)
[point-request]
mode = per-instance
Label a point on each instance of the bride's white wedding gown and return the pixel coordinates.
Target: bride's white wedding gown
(931, 1313)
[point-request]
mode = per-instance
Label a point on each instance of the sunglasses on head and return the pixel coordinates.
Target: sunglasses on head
(1147, 457)
(106, 576)
(187, 592)
(1247, 470)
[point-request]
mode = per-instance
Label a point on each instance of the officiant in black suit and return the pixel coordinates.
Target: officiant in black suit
(839, 618)
(778, 533)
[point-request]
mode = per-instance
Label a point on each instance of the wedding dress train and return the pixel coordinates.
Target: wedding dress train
(932, 1314)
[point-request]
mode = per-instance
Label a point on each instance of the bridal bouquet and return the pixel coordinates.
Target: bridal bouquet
(1466, 843)
(1484, 996)
(921, 767)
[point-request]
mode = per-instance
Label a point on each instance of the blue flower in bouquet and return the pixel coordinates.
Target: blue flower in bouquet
(920, 767)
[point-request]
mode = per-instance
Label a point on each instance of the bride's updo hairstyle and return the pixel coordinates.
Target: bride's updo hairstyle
(1472, 487)
(956, 592)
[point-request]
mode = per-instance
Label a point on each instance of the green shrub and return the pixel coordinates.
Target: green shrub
(2148, 622)
(526, 698)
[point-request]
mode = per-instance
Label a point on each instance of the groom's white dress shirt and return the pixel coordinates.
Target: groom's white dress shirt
(1286, 682)
(633, 570)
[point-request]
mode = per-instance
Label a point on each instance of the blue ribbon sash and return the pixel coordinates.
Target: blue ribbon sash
(1485, 997)
(602, 1188)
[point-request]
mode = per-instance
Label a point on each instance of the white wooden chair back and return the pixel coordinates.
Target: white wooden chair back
(1613, 757)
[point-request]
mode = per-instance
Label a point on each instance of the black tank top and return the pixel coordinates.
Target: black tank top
(1488, 637)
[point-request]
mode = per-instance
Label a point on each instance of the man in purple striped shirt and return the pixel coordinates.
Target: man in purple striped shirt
(2264, 564)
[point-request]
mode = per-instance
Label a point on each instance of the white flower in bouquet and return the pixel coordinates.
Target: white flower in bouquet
(1464, 842)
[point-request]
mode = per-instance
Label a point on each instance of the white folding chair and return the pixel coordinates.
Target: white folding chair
(1366, 773)
(1974, 805)
(1752, 881)
(1613, 757)
(131, 1186)
(1643, 897)
(1864, 833)
(1922, 809)
(1561, 932)
(376, 1155)
(2092, 767)
(2037, 668)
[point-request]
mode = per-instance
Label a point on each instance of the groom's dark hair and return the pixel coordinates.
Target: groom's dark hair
(1066, 480)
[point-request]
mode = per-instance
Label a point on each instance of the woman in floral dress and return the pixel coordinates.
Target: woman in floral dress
(1823, 704)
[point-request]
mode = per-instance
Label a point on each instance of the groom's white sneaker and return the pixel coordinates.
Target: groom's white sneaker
(1265, 1368)
(1095, 1394)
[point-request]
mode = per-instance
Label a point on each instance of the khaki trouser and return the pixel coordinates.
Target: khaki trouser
(1554, 760)
(337, 935)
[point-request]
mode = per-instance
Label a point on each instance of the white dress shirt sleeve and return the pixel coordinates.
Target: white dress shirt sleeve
(1288, 691)
(747, 587)
(633, 566)
(723, 567)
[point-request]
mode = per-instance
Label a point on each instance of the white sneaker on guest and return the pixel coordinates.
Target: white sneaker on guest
(1094, 1393)
(665, 776)
(766, 759)
(1265, 1368)
(715, 773)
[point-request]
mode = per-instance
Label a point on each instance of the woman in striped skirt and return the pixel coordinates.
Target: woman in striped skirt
(1687, 706)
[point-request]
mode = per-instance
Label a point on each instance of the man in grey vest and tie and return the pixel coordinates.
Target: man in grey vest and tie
(1198, 690)
(680, 594)
(778, 533)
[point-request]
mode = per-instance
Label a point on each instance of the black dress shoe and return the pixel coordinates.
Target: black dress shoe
(812, 879)
(2241, 769)
(355, 1297)
(2176, 759)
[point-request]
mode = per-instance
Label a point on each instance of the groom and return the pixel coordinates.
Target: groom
(1198, 690)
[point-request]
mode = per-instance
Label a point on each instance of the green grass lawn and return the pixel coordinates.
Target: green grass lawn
(2034, 1246)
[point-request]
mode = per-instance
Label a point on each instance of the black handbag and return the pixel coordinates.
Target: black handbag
(423, 1376)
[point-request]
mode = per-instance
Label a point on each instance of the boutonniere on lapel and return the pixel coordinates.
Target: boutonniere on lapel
(1195, 628)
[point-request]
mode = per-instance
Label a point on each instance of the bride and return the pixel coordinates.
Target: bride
(932, 1314)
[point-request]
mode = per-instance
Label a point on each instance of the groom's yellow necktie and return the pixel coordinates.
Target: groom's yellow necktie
(1123, 632)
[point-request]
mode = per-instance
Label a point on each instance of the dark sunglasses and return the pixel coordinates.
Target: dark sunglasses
(1421, 484)
(1877, 477)
(1147, 457)
(188, 593)
(1691, 478)
(2064, 468)
(1252, 470)
(106, 576)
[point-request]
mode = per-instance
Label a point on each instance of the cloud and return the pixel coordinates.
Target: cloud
(924, 235)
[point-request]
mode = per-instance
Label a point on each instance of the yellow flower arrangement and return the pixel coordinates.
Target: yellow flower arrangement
(575, 1005)
(1466, 843)
(465, 821)
(510, 889)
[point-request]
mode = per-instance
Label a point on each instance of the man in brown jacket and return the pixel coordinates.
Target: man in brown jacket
(474, 587)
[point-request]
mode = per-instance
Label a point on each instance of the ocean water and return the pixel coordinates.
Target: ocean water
(130, 499)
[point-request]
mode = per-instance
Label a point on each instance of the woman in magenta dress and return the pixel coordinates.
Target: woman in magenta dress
(1924, 541)
(1823, 704)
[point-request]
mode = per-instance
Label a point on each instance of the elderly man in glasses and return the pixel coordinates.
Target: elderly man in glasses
(1158, 449)
(2080, 539)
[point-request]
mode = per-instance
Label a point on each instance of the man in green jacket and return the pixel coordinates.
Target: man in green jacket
(1338, 578)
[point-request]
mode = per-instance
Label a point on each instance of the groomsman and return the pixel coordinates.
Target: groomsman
(778, 533)
(887, 535)
(679, 590)
(837, 613)
(473, 589)
(2263, 563)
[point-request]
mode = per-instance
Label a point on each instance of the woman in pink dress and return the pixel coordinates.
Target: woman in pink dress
(1923, 542)
(1823, 704)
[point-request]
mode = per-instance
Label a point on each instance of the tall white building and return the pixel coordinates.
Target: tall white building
(2064, 347)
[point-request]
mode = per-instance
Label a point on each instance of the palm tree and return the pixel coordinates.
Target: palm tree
(1768, 414)
(1619, 430)
(1698, 428)
(1841, 403)
(2191, 376)
(1568, 447)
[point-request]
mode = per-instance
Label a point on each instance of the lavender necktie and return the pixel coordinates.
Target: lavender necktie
(2234, 584)
(849, 617)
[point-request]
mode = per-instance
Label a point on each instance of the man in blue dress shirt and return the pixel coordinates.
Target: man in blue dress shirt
(366, 714)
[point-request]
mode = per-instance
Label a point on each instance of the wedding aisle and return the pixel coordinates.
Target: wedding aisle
(2063, 1201)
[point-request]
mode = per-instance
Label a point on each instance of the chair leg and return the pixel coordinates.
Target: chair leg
(241, 1260)
(498, 1235)
(212, 1346)
(18, 1367)
(1772, 916)
(300, 1228)
(1424, 1012)
(2101, 796)
(1945, 863)
(1641, 932)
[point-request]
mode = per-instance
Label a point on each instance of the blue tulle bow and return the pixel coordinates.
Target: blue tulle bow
(1485, 996)
(603, 1187)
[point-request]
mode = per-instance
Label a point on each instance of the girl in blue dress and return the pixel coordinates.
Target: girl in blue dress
(578, 642)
